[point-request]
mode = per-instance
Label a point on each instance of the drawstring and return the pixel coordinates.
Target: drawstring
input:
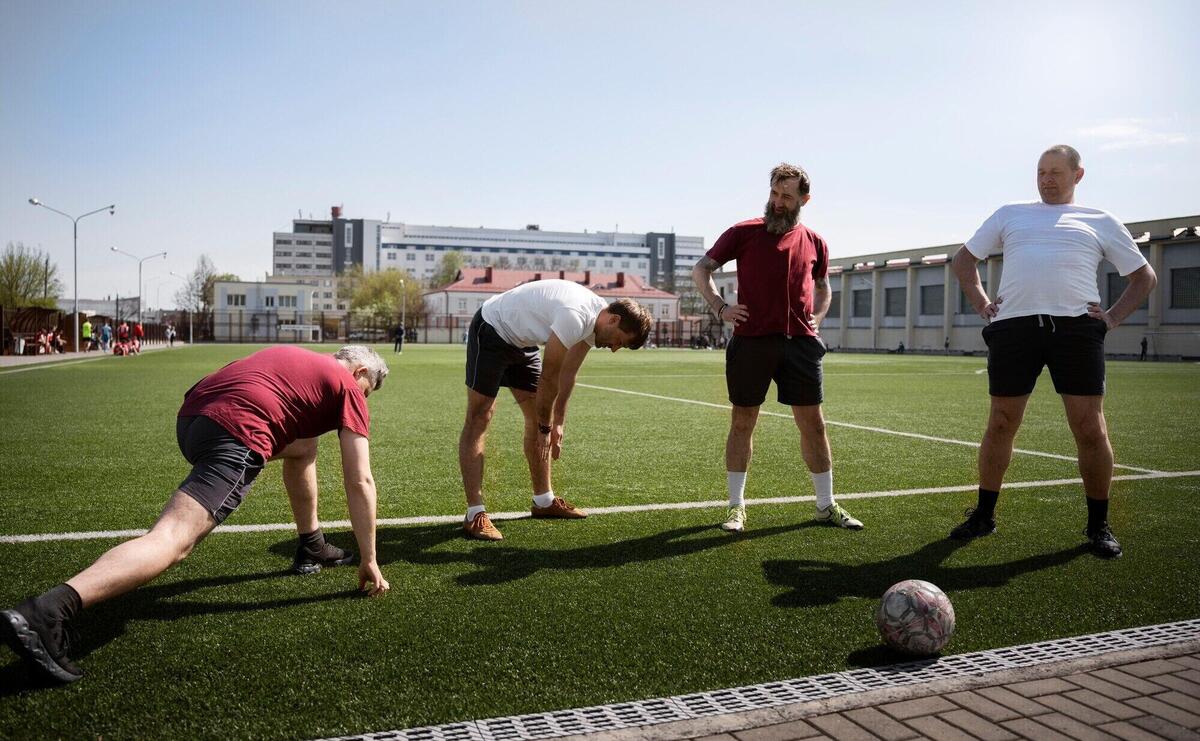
(1053, 328)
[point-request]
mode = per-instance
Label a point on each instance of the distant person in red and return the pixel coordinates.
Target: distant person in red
(123, 332)
(43, 342)
(138, 335)
(271, 405)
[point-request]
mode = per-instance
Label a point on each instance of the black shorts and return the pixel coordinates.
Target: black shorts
(492, 362)
(794, 363)
(1071, 346)
(222, 466)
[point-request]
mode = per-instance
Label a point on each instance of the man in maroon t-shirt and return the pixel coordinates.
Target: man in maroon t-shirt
(271, 405)
(783, 294)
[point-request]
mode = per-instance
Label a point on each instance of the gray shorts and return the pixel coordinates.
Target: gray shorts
(222, 466)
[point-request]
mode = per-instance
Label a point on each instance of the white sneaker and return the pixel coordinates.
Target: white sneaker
(735, 519)
(834, 514)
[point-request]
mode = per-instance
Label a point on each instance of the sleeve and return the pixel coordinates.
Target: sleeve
(355, 415)
(568, 326)
(728, 246)
(821, 264)
(1119, 247)
(987, 239)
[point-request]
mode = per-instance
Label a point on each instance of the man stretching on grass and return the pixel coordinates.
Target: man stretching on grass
(270, 405)
(1047, 312)
(502, 350)
(783, 294)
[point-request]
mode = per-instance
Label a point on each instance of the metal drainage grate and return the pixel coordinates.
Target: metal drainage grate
(774, 694)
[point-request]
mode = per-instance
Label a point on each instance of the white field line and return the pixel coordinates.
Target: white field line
(708, 504)
(866, 428)
(51, 364)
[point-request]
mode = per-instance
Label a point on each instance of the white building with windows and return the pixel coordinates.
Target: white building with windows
(245, 311)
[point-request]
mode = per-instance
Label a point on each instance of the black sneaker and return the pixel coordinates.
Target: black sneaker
(975, 526)
(308, 562)
(41, 640)
(1103, 544)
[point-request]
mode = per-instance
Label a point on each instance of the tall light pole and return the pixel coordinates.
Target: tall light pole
(111, 209)
(403, 306)
(190, 310)
(140, 260)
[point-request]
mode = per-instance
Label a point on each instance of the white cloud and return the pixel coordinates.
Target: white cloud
(1131, 133)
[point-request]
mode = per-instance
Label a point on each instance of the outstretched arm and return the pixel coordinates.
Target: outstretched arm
(566, 384)
(360, 498)
(544, 404)
(702, 273)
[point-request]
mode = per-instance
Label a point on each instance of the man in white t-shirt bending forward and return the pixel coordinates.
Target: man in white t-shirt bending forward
(502, 350)
(1047, 312)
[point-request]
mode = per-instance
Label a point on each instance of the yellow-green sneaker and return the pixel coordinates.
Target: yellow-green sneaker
(735, 519)
(834, 514)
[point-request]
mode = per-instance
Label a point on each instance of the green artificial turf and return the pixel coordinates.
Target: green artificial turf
(564, 614)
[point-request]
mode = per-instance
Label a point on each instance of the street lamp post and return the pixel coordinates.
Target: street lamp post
(111, 209)
(403, 302)
(140, 260)
(190, 309)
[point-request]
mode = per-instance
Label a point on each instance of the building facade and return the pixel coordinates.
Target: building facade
(274, 311)
(449, 309)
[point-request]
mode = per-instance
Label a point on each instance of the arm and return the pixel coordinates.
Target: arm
(1141, 282)
(822, 297)
(566, 384)
(702, 276)
(360, 498)
(964, 269)
(553, 360)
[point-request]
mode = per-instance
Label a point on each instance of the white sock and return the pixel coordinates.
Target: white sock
(736, 481)
(823, 483)
(472, 511)
(544, 500)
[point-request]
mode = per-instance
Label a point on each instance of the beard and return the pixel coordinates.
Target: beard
(780, 224)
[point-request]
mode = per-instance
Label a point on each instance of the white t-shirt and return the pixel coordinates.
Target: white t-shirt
(1051, 256)
(526, 315)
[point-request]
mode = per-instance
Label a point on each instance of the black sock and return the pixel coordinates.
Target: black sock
(987, 503)
(313, 542)
(62, 601)
(1097, 513)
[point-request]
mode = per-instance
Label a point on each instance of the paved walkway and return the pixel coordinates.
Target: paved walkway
(1151, 693)
(11, 361)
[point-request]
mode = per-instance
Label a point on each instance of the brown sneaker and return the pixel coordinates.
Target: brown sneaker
(481, 528)
(559, 509)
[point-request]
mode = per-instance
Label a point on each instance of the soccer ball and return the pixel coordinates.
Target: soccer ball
(915, 617)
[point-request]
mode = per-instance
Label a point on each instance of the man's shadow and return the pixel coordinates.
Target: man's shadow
(811, 583)
(99, 625)
(498, 563)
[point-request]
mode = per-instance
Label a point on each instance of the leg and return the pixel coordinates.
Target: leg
(814, 443)
(182, 524)
(995, 452)
(471, 443)
(739, 446)
(539, 470)
(300, 481)
(1085, 415)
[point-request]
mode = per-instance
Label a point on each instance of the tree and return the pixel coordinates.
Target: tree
(348, 282)
(27, 278)
(381, 295)
(447, 271)
(192, 295)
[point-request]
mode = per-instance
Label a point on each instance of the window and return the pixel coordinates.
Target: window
(964, 306)
(269, 301)
(1185, 288)
(662, 248)
(835, 306)
(1116, 286)
(287, 301)
(429, 257)
(283, 253)
(608, 263)
(666, 308)
(933, 300)
(391, 255)
(235, 299)
(893, 301)
(410, 257)
(462, 305)
(329, 294)
(625, 263)
(862, 302)
(591, 263)
(349, 241)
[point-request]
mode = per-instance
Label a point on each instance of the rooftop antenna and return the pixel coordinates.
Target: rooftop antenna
(388, 218)
(299, 214)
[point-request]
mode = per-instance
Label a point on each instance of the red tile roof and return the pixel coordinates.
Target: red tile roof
(609, 285)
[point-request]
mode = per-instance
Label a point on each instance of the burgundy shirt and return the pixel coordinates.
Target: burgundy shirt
(775, 276)
(278, 395)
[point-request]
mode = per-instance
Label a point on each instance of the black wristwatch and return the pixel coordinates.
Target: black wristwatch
(543, 429)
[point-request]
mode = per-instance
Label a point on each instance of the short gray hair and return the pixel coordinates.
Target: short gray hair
(1068, 151)
(363, 356)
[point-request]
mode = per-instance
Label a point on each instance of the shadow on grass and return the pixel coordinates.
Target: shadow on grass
(499, 563)
(823, 582)
(105, 622)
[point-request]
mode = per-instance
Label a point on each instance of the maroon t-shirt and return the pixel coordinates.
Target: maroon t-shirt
(278, 395)
(775, 276)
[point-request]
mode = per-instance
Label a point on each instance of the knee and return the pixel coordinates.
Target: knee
(306, 450)
(1002, 424)
(1091, 434)
(742, 425)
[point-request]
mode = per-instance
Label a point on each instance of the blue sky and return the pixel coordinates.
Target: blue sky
(210, 124)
